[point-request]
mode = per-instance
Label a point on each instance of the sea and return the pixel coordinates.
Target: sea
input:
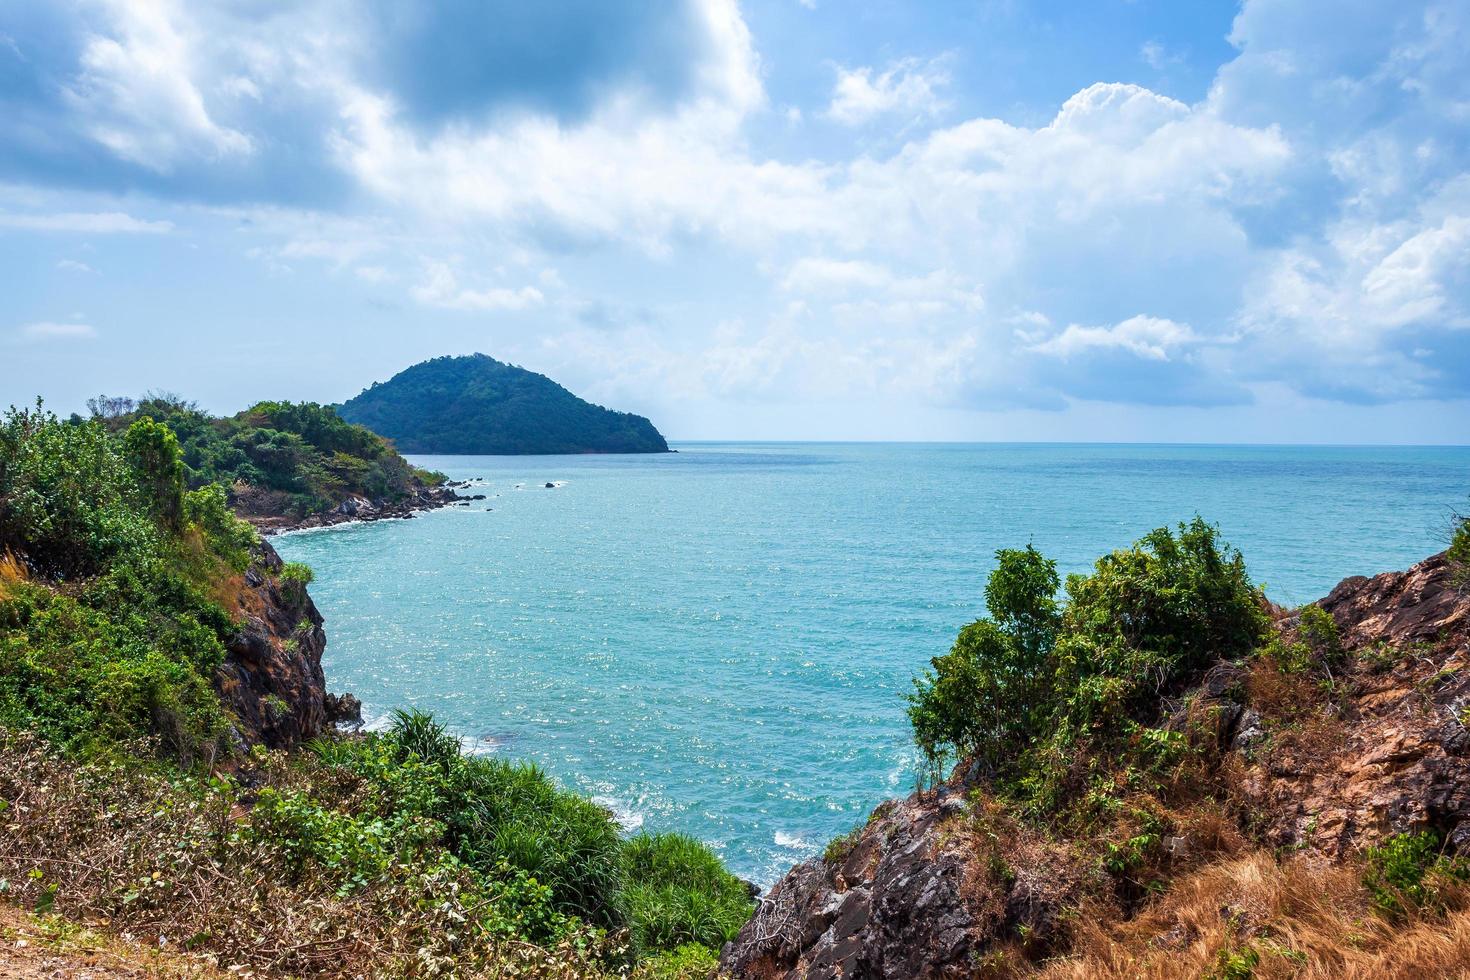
(718, 640)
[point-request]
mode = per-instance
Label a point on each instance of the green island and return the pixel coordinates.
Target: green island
(1146, 770)
(478, 406)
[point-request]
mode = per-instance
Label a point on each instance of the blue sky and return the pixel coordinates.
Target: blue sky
(1114, 220)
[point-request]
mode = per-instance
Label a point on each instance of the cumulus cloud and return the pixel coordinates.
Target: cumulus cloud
(909, 87)
(1305, 223)
(137, 95)
(1143, 336)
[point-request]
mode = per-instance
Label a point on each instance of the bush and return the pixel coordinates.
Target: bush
(988, 697)
(1316, 645)
(69, 501)
(509, 823)
(1147, 621)
(677, 892)
(1024, 693)
(294, 577)
(111, 634)
(229, 538)
(1411, 872)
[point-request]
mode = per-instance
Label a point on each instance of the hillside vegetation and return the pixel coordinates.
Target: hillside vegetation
(1153, 772)
(477, 405)
(132, 792)
(304, 455)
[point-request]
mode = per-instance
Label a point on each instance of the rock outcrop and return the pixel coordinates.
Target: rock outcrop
(904, 897)
(270, 511)
(271, 679)
(1397, 756)
(1325, 765)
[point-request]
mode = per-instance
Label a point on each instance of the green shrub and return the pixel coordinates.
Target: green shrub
(228, 537)
(509, 822)
(989, 696)
(1029, 693)
(1317, 644)
(294, 577)
(677, 892)
(1458, 552)
(1147, 621)
(154, 453)
(691, 962)
(1410, 872)
(69, 501)
(112, 636)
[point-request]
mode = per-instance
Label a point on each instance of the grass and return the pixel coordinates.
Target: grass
(1285, 918)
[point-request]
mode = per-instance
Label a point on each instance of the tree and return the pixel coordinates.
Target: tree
(110, 406)
(154, 453)
(987, 698)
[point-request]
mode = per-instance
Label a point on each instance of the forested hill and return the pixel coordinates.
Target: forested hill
(476, 405)
(283, 461)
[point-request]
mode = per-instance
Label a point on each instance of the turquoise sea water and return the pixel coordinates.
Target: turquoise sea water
(718, 641)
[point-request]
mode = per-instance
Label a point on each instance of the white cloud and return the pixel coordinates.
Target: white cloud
(57, 331)
(909, 87)
(441, 288)
(1301, 220)
(101, 223)
(137, 92)
(1148, 337)
(72, 265)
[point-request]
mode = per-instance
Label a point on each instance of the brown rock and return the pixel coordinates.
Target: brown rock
(271, 679)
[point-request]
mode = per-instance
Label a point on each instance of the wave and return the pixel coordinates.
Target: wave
(627, 818)
(791, 841)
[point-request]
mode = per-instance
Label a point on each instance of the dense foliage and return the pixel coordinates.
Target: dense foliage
(304, 451)
(1031, 692)
(560, 860)
(479, 406)
(109, 629)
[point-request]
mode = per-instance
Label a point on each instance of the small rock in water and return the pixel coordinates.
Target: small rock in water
(551, 486)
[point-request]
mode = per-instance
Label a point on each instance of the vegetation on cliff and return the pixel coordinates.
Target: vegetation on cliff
(1038, 692)
(477, 405)
(1159, 774)
(111, 628)
(304, 453)
(131, 792)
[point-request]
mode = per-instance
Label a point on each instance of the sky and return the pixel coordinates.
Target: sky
(1114, 220)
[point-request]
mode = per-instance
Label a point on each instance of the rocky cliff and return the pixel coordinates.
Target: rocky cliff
(272, 679)
(950, 883)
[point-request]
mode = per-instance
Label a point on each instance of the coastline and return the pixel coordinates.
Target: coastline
(354, 510)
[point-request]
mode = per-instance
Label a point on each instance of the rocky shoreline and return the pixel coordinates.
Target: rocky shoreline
(268, 514)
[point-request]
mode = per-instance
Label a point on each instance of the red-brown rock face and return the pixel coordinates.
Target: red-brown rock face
(272, 677)
(1398, 759)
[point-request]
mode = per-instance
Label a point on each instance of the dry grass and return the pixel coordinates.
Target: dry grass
(12, 573)
(46, 947)
(1302, 919)
(130, 853)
